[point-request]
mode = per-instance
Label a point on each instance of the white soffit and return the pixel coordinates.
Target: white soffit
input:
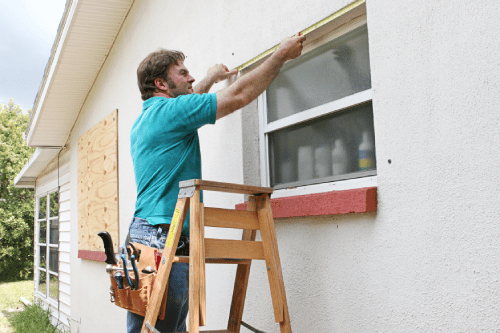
(86, 35)
(36, 164)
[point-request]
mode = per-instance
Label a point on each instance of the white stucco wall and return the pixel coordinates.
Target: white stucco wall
(436, 78)
(428, 259)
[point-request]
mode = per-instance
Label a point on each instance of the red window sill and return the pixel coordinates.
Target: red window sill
(92, 255)
(361, 200)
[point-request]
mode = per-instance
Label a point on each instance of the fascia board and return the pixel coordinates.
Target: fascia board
(36, 164)
(57, 50)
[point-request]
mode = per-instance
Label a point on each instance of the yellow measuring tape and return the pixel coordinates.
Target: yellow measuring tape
(173, 226)
(305, 32)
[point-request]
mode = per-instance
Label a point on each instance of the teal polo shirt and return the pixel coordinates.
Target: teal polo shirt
(166, 150)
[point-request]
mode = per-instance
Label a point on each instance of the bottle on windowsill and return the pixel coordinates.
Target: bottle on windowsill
(339, 158)
(322, 162)
(305, 162)
(366, 152)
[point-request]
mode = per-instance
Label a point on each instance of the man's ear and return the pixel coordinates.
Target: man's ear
(161, 85)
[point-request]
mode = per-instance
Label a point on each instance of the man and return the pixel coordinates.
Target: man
(165, 149)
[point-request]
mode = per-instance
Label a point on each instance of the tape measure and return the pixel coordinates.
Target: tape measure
(304, 32)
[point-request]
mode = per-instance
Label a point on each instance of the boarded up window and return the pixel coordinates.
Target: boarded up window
(98, 184)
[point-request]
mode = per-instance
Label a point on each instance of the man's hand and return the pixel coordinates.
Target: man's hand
(291, 47)
(215, 74)
(220, 72)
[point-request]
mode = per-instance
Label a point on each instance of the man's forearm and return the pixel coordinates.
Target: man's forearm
(251, 85)
(255, 82)
(204, 85)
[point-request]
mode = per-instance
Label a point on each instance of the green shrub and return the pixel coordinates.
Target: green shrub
(33, 319)
(16, 204)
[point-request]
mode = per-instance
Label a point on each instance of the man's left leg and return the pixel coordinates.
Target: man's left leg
(177, 304)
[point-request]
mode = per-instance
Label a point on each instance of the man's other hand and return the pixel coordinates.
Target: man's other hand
(291, 47)
(220, 72)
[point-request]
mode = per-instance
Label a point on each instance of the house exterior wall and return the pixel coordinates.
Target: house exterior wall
(428, 259)
(57, 174)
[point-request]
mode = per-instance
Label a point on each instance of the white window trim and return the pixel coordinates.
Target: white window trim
(325, 109)
(44, 297)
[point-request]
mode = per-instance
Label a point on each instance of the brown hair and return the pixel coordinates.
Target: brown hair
(156, 65)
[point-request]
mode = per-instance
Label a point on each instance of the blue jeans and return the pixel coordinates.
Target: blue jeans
(178, 282)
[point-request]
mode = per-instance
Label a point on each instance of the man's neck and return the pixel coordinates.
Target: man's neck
(161, 94)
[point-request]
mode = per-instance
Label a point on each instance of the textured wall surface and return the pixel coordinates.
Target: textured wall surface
(429, 258)
(436, 79)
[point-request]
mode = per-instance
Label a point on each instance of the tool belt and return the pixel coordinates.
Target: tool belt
(136, 299)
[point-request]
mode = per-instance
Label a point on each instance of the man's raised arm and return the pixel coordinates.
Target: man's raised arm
(251, 85)
(215, 74)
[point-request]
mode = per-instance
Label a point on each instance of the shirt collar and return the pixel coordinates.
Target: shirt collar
(150, 101)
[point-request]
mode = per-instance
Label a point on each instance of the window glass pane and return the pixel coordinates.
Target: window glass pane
(54, 259)
(42, 211)
(43, 257)
(54, 231)
(43, 231)
(334, 145)
(54, 204)
(54, 286)
(42, 287)
(337, 69)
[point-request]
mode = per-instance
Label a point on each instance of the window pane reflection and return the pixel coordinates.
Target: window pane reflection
(54, 204)
(42, 211)
(42, 287)
(54, 231)
(43, 231)
(333, 145)
(54, 259)
(54, 286)
(335, 70)
(43, 257)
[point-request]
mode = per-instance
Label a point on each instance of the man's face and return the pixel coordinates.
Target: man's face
(179, 81)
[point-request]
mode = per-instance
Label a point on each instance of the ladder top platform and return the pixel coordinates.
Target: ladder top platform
(187, 185)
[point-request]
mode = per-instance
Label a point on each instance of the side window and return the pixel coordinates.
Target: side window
(317, 117)
(47, 246)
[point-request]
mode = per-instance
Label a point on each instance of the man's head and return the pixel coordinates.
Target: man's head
(163, 73)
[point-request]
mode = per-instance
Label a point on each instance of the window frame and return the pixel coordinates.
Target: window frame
(341, 182)
(46, 297)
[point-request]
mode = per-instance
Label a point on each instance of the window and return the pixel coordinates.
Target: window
(47, 246)
(316, 118)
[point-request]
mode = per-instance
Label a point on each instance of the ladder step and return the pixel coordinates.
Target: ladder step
(184, 259)
(154, 330)
(236, 249)
(230, 218)
(224, 187)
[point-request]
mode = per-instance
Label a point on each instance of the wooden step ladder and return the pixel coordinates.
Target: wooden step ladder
(205, 250)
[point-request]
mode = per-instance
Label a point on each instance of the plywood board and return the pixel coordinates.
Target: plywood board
(98, 184)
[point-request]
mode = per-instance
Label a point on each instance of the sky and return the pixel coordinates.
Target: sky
(27, 31)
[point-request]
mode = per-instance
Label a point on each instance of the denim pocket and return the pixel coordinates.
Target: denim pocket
(140, 231)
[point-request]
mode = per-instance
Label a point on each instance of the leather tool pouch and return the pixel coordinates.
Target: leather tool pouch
(136, 301)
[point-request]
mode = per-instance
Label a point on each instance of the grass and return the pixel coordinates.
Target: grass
(15, 317)
(33, 319)
(10, 292)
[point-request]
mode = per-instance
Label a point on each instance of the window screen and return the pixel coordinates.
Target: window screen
(319, 116)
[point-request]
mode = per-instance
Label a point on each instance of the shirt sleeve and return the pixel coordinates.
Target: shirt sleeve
(191, 112)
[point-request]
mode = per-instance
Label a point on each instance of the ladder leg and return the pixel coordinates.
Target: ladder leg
(194, 263)
(161, 281)
(241, 281)
(275, 274)
(240, 290)
(203, 291)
